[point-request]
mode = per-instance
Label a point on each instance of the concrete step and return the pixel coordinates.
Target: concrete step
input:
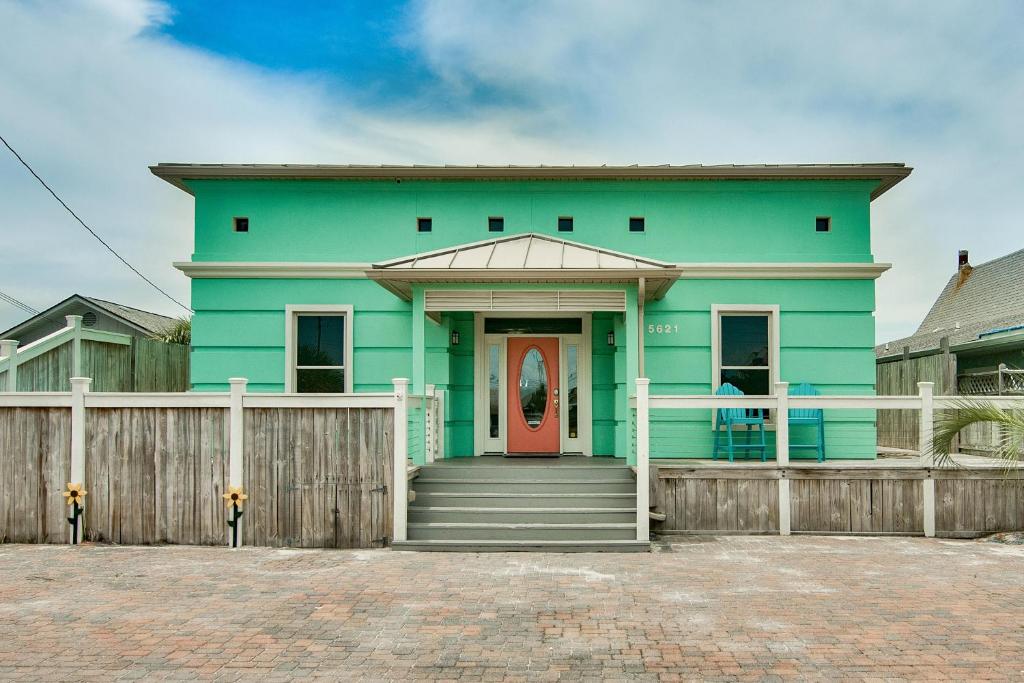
(483, 531)
(504, 499)
(549, 515)
(501, 485)
(630, 546)
(525, 473)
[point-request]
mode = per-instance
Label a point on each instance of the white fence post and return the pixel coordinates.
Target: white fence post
(236, 423)
(926, 391)
(400, 497)
(79, 387)
(75, 322)
(643, 452)
(440, 454)
(9, 350)
(782, 454)
(429, 423)
(782, 424)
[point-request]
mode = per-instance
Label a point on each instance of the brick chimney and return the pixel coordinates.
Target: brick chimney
(961, 259)
(964, 269)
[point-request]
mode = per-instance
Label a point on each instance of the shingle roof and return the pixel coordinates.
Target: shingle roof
(991, 298)
(150, 322)
(887, 174)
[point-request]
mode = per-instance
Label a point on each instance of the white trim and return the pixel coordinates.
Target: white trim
(774, 339)
(807, 270)
(783, 271)
(482, 443)
(292, 311)
(273, 269)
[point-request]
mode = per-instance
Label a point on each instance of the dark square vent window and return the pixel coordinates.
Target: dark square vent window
(424, 224)
(636, 224)
(496, 224)
(823, 224)
(565, 224)
(241, 225)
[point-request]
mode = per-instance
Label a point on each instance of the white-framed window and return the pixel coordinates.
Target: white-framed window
(318, 348)
(745, 347)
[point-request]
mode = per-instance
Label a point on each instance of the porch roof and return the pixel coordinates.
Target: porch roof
(524, 258)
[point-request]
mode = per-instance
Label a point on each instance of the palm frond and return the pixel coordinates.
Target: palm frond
(967, 412)
(180, 332)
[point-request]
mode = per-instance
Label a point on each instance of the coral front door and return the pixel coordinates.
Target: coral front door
(533, 395)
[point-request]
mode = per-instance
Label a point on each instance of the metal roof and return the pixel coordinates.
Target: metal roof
(527, 257)
(887, 174)
(991, 298)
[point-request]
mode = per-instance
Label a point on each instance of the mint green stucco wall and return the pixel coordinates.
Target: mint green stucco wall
(827, 327)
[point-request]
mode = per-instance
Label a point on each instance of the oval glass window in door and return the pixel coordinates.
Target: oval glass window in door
(533, 388)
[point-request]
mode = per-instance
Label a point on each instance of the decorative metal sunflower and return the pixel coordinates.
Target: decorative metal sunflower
(74, 494)
(234, 496)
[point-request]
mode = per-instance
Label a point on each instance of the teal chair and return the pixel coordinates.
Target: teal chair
(727, 417)
(809, 416)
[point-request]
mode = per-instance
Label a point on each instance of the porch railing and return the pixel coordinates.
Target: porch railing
(925, 402)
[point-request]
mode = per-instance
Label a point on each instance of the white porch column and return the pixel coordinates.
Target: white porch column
(926, 443)
(79, 387)
(9, 350)
(643, 445)
(400, 497)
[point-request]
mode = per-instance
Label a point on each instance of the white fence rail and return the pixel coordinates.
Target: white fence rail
(780, 403)
(79, 400)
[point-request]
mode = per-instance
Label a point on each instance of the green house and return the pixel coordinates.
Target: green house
(533, 297)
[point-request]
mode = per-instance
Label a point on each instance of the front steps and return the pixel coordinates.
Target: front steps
(491, 504)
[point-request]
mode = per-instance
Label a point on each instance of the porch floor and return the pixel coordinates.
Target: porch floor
(566, 460)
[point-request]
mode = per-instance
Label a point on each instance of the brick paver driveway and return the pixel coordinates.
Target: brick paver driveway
(725, 608)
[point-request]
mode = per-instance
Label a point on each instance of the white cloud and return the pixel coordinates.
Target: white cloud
(92, 95)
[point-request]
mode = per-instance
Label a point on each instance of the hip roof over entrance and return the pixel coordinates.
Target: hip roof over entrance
(524, 258)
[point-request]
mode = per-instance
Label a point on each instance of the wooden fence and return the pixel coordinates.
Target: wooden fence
(899, 428)
(115, 362)
(969, 502)
(320, 471)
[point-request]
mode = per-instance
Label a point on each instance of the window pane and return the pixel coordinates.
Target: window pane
(494, 395)
(321, 340)
(533, 388)
(751, 382)
(320, 381)
(571, 393)
(745, 340)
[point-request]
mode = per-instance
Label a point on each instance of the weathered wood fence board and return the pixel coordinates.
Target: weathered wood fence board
(718, 505)
(867, 500)
(323, 476)
(156, 475)
(35, 460)
(144, 366)
(899, 428)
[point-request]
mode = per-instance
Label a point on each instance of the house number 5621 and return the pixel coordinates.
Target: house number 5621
(662, 329)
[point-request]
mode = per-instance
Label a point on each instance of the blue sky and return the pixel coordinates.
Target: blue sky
(94, 91)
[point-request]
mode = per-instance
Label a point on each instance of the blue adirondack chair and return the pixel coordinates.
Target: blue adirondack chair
(808, 416)
(727, 417)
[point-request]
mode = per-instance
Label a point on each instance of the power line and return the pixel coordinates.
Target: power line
(90, 230)
(18, 304)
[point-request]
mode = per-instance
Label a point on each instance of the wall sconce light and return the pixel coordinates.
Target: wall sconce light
(455, 337)
(611, 337)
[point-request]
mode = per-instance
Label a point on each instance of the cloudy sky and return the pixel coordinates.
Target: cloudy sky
(91, 93)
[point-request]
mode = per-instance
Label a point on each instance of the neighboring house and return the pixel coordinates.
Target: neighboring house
(977, 320)
(96, 315)
(107, 342)
(535, 296)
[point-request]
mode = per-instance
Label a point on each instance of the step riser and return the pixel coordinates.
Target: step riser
(490, 486)
(624, 501)
(553, 474)
(523, 547)
(419, 533)
(521, 517)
